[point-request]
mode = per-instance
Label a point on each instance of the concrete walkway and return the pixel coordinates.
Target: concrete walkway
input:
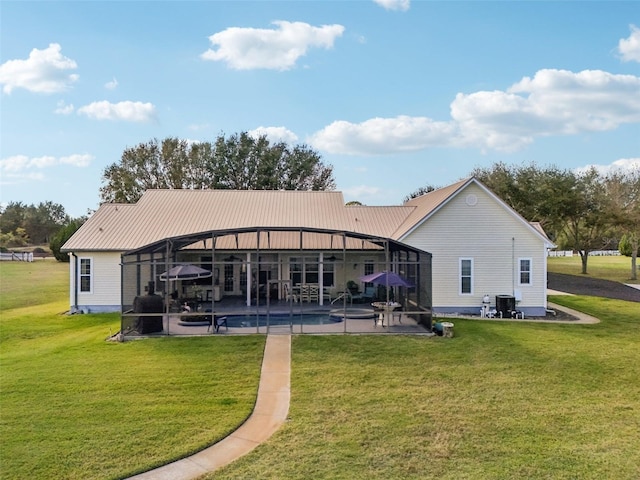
(269, 413)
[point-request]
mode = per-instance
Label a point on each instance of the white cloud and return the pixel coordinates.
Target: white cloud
(45, 71)
(112, 85)
(77, 160)
(629, 48)
(401, 5)
(274, 49)
(383, 135)
(553, 102)
(19, 163)
(64, 109)
(621, 165)
(275, 134)
(127, 111)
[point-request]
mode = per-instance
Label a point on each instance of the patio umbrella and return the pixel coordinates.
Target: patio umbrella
(389, 279)
(185, 272)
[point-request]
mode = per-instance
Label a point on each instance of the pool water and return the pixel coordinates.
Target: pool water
(238, 321)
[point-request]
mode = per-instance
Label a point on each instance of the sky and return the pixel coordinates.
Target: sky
(394, 94)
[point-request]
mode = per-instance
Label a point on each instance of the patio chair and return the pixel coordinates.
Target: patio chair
(217, 321)
(290, 295)
(314, 293)
(327, 294)
(367, 296)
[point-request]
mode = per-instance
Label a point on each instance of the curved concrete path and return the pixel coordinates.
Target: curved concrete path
(269, 413)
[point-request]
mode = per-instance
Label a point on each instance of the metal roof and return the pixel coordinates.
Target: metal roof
(161, 214)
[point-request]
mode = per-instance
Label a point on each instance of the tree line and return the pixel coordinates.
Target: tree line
(237, 162)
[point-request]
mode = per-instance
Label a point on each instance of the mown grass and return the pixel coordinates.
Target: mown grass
(617, 269)
(500, 400)
(76, 407)
(33, 283)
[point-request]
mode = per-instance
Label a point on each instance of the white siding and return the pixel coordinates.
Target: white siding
(105, 290)
(494, 238)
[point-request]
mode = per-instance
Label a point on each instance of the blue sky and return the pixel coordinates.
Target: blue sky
(395, 95)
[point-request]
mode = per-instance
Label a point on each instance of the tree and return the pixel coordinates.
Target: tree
(39, 222)
(623, 190)
(64, 234)
(239, 162)
(586, 210)
(419, 192)
(42, 221)
(12, 216)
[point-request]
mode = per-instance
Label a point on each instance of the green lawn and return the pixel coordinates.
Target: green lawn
(39, 282)
(499, 400)
(74, 406)
(613, 268)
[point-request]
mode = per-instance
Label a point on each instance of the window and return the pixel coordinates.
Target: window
(369, 268)
(304, 270)
(327, 274)
(466, 276)
(85, 274)
(524, 276)
(228, 277)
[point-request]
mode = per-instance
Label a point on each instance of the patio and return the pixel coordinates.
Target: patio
(285, 317)
(274, 280)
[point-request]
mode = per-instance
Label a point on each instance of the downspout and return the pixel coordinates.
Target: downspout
(513, 266)
(75, 282)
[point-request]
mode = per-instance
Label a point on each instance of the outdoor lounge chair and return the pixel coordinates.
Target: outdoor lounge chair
(367, 296)
(217, 321)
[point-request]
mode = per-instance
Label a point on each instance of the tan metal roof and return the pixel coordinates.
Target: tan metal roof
(161, 214)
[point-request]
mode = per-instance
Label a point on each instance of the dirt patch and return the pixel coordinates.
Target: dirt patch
(595, 287)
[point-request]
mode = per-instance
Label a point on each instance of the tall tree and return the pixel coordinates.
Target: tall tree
(238, 162)
(12, 216)
(623, 190)
(586, 211)
(38, 223)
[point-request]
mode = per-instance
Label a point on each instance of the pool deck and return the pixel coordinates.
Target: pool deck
(360, 319)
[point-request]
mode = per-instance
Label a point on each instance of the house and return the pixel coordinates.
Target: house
(461, 242)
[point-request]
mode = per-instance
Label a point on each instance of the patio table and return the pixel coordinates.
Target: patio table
(387, 310)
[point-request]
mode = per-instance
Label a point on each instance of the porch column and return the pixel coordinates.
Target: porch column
(320, 278)
(248, 274)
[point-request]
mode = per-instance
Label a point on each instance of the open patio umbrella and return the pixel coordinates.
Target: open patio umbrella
(185, 272)
(389, 279)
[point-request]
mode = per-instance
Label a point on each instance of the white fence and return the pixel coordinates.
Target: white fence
(595, 253)
(16, 257)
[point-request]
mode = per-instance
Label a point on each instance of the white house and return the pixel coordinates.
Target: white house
(479, 246)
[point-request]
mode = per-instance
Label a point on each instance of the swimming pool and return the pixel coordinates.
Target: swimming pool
(239, 321)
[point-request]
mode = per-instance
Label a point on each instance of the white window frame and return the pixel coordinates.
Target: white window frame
(460, 262)
(81, 275)
(521, 271)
